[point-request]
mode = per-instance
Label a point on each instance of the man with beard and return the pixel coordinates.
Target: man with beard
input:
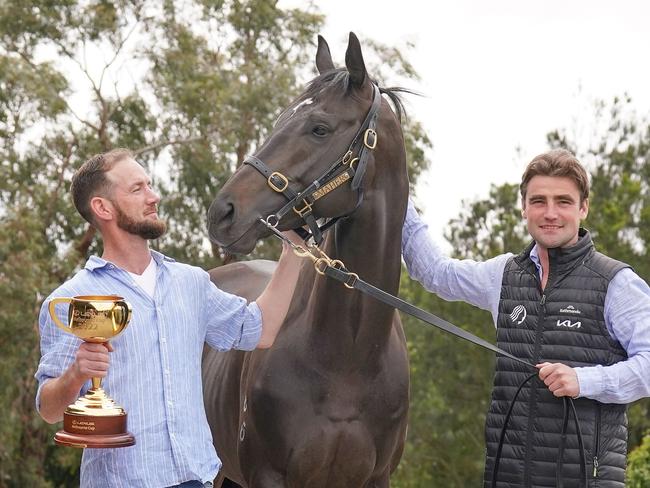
(155, 365)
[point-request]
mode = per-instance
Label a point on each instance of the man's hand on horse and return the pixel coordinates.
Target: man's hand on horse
(287, 249)
(560, 379)
(293, 237)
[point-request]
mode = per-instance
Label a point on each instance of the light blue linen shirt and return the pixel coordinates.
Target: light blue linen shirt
(155, 369)
(626, 309)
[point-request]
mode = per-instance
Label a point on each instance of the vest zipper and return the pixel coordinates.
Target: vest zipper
(596, 440)
(532, 401)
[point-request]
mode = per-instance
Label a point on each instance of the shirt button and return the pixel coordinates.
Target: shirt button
(163, 340)
(167, 372)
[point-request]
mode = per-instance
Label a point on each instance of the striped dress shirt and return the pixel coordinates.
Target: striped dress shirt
(155, 369)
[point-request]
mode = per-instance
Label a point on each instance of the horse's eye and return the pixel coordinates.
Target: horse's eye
(320, 130)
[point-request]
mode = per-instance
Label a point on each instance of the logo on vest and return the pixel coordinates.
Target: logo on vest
(569, 324)
(518, 315)
(571, 309)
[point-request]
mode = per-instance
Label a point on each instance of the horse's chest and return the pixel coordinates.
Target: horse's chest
(324, 418)
(336, 396)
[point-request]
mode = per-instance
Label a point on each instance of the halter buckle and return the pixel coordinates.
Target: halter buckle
(304, 210)
(278, 176)
(370, 138)
(347, 157)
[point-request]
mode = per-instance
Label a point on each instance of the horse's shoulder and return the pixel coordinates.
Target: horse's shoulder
(244, 278)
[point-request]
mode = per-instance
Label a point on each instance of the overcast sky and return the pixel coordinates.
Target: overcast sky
(498, 75)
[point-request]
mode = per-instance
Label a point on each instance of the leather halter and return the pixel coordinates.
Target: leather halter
(352, 165)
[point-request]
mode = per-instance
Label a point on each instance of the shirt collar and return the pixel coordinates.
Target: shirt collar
(534, 257)
(95, 262)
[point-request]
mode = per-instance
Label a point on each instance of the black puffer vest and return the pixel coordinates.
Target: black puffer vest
(564, 323)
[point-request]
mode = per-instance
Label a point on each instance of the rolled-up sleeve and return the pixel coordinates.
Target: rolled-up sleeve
(232, 323)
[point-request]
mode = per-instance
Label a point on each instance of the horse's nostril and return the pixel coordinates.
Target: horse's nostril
(229, 212)
(221, 212)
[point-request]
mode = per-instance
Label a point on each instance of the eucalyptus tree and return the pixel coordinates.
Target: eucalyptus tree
(190, 86)
(81, 77)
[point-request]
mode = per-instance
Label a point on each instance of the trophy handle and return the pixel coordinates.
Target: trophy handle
(55, 318)
(126, 311)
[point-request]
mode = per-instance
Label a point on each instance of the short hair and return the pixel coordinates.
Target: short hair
(557, 162)
(90, 180)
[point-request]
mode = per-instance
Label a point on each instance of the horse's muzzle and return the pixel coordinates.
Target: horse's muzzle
(226, 230)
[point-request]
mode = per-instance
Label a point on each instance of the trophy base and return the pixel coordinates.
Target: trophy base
(63, 438)
(94, 421)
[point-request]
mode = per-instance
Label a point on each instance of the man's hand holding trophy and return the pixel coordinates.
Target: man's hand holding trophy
(94, 420)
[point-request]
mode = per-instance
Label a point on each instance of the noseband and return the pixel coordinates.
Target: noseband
(352, 165)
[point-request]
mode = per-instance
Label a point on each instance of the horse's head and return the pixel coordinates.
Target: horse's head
(317, 161)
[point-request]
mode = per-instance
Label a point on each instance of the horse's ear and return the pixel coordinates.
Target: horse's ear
(354, 61)
(323, 56)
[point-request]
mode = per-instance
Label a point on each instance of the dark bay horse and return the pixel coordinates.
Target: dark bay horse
(327, 405)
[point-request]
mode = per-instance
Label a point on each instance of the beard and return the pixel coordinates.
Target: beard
(147, 229)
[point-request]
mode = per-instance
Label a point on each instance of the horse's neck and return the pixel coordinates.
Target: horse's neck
(369, 244)
(345, 323)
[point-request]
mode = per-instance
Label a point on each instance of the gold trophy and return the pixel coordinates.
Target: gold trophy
(94, 420)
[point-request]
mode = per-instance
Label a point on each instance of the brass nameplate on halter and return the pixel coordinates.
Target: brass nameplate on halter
(332, 185)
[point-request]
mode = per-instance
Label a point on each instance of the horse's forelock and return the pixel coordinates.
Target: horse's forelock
(339, 80)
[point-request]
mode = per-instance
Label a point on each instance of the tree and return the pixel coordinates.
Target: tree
(638, 472)
(191, 87)
(51, 53)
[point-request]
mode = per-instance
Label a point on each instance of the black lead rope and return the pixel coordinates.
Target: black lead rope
(353, 281)
(497, 458)
(393, 301)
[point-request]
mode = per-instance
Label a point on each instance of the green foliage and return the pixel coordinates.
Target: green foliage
(487, 228)
(638, 470)
(26, 442)
(190, 86)
(417, 144)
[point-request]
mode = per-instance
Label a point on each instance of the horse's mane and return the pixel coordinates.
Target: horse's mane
(340, 79)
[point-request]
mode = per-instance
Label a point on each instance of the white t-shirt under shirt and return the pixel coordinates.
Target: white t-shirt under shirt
(147, 280)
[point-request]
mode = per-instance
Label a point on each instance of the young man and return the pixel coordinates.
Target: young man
(581, 317)
(155, 365)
